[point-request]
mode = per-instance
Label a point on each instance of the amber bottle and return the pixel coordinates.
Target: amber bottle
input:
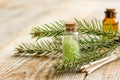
(110, 22)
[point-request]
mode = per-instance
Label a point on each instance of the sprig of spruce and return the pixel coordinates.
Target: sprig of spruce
(42, 48)
(94, 27)
(92, 46)
(56, 29)
(87, 57)
(55, 46)
(48, 30)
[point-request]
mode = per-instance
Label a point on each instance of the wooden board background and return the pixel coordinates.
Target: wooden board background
(17, 17)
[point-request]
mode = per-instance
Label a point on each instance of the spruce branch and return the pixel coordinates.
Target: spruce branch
(48, 30)
(92, 46)
(54, 46)
(56, 29)
(95, 43)
(87, 57)
(46, 48)
(93, 28)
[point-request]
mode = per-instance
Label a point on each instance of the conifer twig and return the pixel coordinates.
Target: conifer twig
(53, 29)
(92, 48)
(56, 29)
(94, 27)
(43, 48)
(61, 66)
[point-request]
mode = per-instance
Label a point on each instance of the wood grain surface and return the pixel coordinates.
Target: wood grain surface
(17, 17)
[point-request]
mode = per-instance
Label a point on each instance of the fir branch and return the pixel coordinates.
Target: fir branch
(46, 30)
(92, 48)
(52, 49)
(45, 48)
(66, 66)
(93, 28)
(55, 29)
(49, 47)
(96, 43)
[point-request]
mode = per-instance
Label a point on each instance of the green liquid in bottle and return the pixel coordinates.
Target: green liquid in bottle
(70, 48)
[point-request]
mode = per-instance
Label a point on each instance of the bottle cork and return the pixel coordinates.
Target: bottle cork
(71, 26)
(112, 10)
(110, 13)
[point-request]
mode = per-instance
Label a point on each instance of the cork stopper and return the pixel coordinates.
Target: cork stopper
(71, 26)
(110, 13)
(112, 10)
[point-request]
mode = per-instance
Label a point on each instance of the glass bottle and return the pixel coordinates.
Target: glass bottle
(70, 42)
(110, 22)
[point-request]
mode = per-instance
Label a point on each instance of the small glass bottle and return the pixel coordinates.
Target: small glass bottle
(110, 22)
(70, 42)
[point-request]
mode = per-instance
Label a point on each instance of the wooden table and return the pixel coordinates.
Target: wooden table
(17, 17)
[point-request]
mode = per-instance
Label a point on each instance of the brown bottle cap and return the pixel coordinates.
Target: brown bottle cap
(110, 13)
(110, 10)
(71, 26)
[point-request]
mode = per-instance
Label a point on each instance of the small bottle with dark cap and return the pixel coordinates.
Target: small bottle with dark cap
(70, 42)
(110, 22)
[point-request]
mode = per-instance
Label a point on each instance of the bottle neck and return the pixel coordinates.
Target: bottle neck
(110, 15)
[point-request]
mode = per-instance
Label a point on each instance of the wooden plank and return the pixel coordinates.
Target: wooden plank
(69, 76)
(30, 70)
(24, 14)
(20, 17)
(6, 69)
(3, 3)
(19, 68)
(27, 68)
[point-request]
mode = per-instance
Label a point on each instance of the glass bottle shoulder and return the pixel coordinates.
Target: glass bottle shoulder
(110, 20)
